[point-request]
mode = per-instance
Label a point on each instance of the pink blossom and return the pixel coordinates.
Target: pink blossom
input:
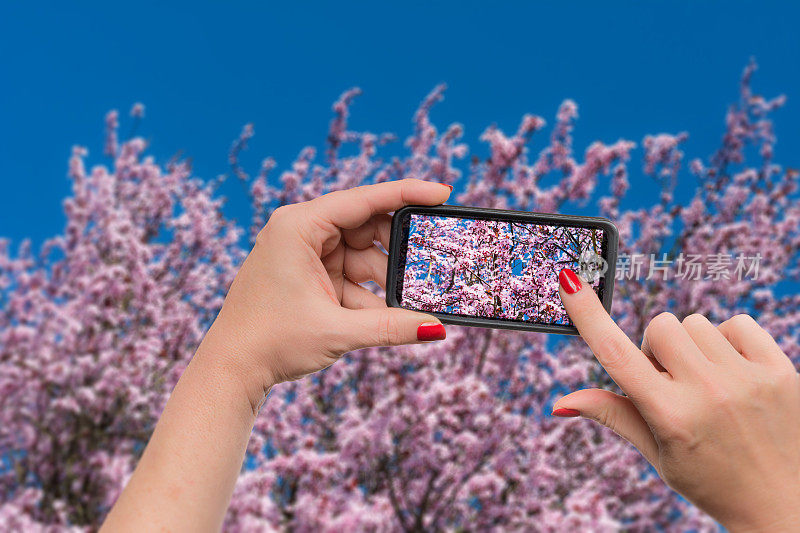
(96, 329)
(137, 111)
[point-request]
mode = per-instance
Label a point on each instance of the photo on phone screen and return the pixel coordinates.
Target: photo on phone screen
(494, 266)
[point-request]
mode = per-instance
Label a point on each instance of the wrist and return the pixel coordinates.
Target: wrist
(232, 363)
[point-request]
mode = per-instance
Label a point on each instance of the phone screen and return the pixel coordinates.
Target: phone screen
(501, 269)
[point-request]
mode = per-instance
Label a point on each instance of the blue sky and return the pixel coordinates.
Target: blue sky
(204, 69)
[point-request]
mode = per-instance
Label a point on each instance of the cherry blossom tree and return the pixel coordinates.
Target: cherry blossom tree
(97, 326)
(492, 269)
(96, 329)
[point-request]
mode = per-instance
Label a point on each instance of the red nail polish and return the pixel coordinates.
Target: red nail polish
(431, 331)
(570, 281)
(566, 413)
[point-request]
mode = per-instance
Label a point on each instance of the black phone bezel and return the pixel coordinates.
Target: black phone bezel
(399, 242)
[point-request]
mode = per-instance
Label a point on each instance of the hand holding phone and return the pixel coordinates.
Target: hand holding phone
(494, 268)
(295, 307)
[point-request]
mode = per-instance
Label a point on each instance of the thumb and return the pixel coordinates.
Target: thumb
(613, 411)
(391, 326)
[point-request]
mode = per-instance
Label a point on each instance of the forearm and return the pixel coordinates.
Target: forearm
(186, 475)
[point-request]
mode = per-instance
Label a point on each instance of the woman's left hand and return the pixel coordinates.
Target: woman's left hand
(294, 308)
(297, 304)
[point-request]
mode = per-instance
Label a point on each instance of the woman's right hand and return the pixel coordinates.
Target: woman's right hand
(715, 409)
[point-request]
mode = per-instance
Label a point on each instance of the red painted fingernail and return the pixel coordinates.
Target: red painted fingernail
(569, 280)
(431, 331)
(565, 413)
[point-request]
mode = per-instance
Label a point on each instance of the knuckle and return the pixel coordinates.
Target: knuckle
(695, 319)
(615, 349)
(658, 326)
(338, 343)
(661, 321)
(282, 215)
(340, 194)
(388, 329)
(723, 398)
(262, 237)
(276, 220)
(742, 320)
(760, 387)
(787, 373)
(674, 427)
(781, 379)
(607, 417)
(284, 219)
(281, 212)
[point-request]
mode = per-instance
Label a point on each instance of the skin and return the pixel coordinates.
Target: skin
(714, 409)
(294, 308)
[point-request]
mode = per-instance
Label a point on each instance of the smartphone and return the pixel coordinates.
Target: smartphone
(494, 268)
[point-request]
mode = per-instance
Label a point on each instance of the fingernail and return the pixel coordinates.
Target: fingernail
(569, 280)
(566, 413)
(431, 331)
(448, 185)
